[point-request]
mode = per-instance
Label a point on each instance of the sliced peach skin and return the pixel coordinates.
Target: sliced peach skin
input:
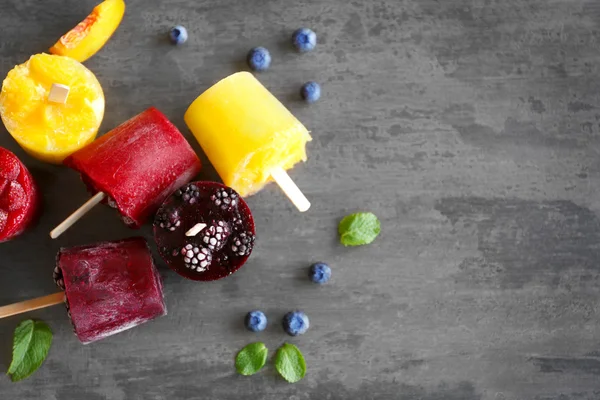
(92, 33)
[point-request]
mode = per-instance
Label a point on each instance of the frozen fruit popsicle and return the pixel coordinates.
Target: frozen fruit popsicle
(108, 287)
(204, 231)
(19, 198)
(249, 136)
(52, 106)
(136, 165)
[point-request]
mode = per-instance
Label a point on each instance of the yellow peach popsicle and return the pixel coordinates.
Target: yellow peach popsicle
(52, 106)
(249, 136)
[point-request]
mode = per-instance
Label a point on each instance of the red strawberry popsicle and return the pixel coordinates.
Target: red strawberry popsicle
(109, 287)
(204, 231)
(136, 165)
(19, 198)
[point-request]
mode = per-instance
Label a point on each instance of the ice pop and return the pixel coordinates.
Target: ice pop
(45, 126)
(249, 136)
(204, 231)
(136, 165)
(108, 287)
(19, 198)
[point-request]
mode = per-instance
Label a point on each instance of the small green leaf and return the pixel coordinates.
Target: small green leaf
(359, 229)
(31, 343)
(290, 363)
(251, 359)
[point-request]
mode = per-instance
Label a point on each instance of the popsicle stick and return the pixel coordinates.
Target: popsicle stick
(58, 93)
(30, 305)
(290, 189)
(80, 212)
(196, 229)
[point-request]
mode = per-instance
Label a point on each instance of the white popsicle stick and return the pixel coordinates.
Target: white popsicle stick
(58, 93)
(290, 189)
(194, 230)
(80, 212)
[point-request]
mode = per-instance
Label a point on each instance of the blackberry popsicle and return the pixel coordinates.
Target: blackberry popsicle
(204, 231)
(107, 288)
(249, 136)
(134, 168)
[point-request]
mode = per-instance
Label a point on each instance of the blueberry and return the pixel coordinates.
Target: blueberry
(304, 40)
(319, 273)
(310, 92)
(295, 323)
(259, 59)
(178, 34)
(256, 321)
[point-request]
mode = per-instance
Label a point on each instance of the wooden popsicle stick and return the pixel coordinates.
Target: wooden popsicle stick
(196, 229)
(290, 189)
(33, 304)
(80, 212)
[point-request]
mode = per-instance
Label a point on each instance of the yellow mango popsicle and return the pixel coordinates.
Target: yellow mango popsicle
(246, 132)
(46, 129)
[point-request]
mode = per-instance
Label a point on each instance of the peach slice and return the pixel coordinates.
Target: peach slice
(92, 33)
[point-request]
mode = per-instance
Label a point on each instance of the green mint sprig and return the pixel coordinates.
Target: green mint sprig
(359, 229)
(31, 343)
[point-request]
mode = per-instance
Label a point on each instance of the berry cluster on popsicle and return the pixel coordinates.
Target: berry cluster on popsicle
(204, 231)
(53, 106)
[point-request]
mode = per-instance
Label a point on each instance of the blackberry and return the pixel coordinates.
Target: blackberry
(237, 222)
(225, 199)
(216, 235)
(58, 278)
(189, 194)
(169, 220)
(195, 257)
(242, 244)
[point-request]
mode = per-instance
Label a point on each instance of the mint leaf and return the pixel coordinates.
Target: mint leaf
(359, 229)
(289, 362)
(32, 340)
(251, 359)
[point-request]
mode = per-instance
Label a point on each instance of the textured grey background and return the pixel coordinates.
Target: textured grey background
(471, 127)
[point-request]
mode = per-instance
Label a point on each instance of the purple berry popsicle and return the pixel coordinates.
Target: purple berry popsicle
(204, 231)
(109, 287)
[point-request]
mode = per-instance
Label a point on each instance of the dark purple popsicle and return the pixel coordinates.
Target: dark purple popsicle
(109, 287)
(224, 241)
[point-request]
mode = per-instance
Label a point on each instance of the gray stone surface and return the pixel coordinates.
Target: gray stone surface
(471, 127)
